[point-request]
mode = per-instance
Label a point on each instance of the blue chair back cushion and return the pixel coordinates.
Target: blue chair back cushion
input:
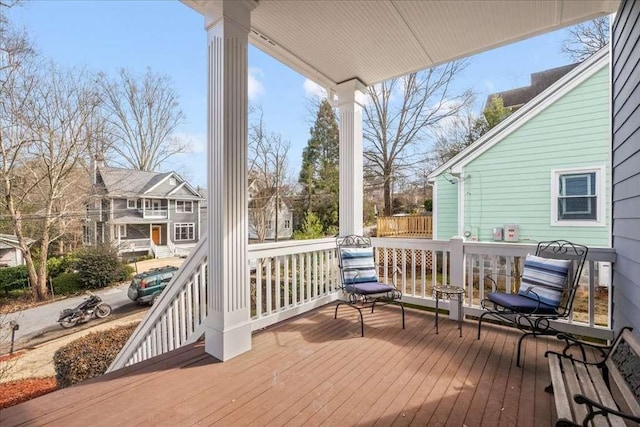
(546, 277)
(358, 265)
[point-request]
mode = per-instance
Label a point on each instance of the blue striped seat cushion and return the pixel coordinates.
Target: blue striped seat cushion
(546, 277)
(358, 265)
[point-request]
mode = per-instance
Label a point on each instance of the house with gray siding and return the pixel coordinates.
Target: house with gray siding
(545, 169)
(142, 212)
(626, 165)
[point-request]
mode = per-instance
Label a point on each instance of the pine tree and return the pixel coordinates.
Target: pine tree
(320, 168)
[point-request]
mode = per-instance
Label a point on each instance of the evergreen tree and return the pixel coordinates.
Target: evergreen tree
(311, 228)
(320, 168)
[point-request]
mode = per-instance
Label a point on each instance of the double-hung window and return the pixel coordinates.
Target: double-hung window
(578, 196)
(183, 206)
(184, 231)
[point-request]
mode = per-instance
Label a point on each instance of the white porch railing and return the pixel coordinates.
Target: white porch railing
(176, 319)
(425, 263)
(290, 278)
(293, 277)
(154, 213)
(133, 245)
(177, 250)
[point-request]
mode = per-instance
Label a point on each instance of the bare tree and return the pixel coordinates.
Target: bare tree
(398, 117)
(268, 174)
(144, 114)
(586, 38)
(49, 115)
(462, 130)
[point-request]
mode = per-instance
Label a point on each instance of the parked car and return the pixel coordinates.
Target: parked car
(146, 287)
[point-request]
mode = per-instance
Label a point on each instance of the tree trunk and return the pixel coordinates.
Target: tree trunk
(387, 197)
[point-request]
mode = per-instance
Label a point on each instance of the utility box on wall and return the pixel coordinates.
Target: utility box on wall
(511, 233)
(497, 234)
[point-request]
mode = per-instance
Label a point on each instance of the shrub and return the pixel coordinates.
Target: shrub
(60, 264)
(66, 284)
(14, 277)
(98, 266)
(89, 356)
(126, 272)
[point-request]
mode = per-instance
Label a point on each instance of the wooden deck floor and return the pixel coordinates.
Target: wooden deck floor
(316, 370)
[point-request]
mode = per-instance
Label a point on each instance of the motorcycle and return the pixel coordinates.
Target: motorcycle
(85, 311)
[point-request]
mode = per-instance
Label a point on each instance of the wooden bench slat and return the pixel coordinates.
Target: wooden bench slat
(604, 394)
(563, 407)
(589, 391)
(573, 388)
(618, 391)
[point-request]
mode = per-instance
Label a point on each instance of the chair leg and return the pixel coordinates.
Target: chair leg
(520, 346)
(402, 307)
(480, 322)
(361, 323)
(335, 316)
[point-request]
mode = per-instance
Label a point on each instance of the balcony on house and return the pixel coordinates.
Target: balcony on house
(154, 209)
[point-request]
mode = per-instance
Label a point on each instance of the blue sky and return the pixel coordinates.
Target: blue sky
(169, 37)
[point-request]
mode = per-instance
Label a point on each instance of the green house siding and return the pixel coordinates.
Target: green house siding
(510, 183)
(446, 209)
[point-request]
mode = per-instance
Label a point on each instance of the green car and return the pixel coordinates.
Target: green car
(146, 287)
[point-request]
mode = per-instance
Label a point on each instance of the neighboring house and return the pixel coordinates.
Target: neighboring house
(545, 168)
(143, 212)
(10, 252)
(513, 99)
(263, 215)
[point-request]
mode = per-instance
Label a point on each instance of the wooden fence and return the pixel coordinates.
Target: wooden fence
(405, 226)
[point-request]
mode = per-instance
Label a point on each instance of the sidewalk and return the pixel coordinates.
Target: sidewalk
(38, 361)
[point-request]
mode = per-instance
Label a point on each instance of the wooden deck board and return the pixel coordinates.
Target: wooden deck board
(315, 370)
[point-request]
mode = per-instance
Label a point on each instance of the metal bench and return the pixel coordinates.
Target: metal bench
(604, 393)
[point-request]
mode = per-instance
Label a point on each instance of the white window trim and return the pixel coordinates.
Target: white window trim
(135, 203)
(184, 205)
(180, 225)
(601, 195)
(122, 230)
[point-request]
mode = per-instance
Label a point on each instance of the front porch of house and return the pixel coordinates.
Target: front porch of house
(314, 370)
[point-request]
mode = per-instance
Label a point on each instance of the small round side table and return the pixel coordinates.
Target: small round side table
(447, 292)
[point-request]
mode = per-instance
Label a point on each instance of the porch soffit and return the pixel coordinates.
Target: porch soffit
(374, 40)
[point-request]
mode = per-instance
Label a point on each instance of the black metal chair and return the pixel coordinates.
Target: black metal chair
(359, 278)
(548, 286)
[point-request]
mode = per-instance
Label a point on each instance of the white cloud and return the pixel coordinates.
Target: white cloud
(255, 86)
(312, 89)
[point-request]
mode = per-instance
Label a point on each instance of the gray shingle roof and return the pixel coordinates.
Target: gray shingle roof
(133, 183)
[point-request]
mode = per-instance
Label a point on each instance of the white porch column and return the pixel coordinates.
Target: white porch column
(350, 101)
(228, 327)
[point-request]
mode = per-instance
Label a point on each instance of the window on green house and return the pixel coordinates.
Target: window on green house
(577, 197)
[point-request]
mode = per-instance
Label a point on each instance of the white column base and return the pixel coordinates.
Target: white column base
(227, 344)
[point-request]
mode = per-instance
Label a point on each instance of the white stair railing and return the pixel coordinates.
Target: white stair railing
(176, 319)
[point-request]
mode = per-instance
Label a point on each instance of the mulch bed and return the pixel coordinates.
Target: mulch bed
(14, 392)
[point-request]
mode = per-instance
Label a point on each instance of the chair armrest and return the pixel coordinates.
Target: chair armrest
(492, 277)
(584, 400)
(568, 356)
(396, 271)
(572, 341)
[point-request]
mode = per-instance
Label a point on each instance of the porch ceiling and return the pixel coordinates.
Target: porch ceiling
(334, 41)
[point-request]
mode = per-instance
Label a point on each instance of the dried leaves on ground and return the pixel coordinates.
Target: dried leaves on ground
(14, 392)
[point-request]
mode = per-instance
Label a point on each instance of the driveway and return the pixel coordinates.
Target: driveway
(40, 323)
